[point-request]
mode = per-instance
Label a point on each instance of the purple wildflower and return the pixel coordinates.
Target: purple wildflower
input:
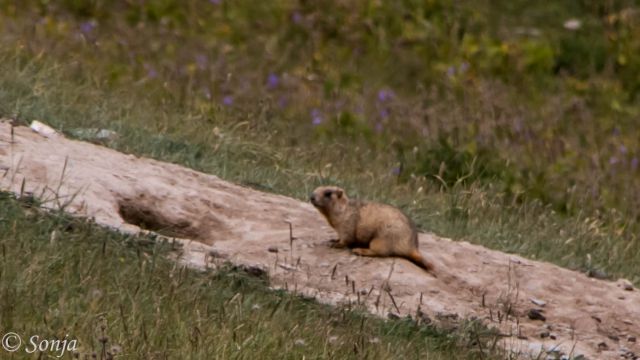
(215, 2)
(87, 26)
(616, 131)
(384, 113)
(201, 61)
(283, 102)
(517, 125)
(622, 149)
(379, 127)
(228, 100)
(396, 171)
(316, 117)
(385, 95)
(296, 17)
(152, 73)
(463, 67)
(272, 81)
(451, 71)
(634, 163)
(613, 160)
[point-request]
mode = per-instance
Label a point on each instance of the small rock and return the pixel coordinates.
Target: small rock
(333, 339)
(625, 284)
(216, 254)
(287, 267)
(374, 340)
(554, 354)
(627, 354)
(536, 314)
(94, 134)
(300, 342)
(272, 249)
(597, 274)
(603, 346)
(553, 336)
(43, 129)
(253, 270)
(544, 334)
(614, 338)
(538, 302)
(631, 339)
(393, 316)
(424, 318)
(447, 316)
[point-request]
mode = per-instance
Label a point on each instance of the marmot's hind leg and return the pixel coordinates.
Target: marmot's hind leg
(377, 247)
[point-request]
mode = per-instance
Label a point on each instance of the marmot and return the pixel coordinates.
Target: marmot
(369, 229)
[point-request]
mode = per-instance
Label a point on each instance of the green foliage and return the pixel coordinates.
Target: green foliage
(581, 54)
(453, 164)
(345, 125)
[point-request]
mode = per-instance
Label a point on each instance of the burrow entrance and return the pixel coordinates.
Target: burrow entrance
(149, 213)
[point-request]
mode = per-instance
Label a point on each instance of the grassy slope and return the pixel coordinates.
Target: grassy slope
(548, 118)
(69, 277)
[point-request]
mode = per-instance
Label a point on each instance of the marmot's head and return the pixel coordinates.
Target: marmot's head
(326, 198)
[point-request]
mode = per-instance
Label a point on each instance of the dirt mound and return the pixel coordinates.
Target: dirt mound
(534, 305)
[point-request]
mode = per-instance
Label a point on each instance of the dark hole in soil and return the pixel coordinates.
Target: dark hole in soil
(148, 218)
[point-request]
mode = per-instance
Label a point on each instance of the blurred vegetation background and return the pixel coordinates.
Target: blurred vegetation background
(514, 124)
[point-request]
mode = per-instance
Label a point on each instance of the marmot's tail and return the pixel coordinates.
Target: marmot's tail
(417, 258)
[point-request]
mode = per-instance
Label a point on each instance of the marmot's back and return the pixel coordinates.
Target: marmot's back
(388, 223)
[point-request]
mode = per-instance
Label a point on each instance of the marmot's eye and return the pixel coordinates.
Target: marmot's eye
(327, 193)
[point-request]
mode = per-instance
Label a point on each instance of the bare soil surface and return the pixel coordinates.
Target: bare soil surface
(218, 221)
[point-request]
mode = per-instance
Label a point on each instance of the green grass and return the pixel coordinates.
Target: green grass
(121, 294)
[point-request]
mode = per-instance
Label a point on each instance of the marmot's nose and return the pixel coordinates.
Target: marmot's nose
(311, 197)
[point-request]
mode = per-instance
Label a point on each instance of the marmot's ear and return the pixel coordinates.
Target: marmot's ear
(339, 193)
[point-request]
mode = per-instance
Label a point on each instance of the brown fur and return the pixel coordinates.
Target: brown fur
(369, 229)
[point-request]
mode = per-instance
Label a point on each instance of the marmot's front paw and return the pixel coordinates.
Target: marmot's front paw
(335, 243)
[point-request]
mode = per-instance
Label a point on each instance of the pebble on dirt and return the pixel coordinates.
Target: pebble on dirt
(536, 314)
